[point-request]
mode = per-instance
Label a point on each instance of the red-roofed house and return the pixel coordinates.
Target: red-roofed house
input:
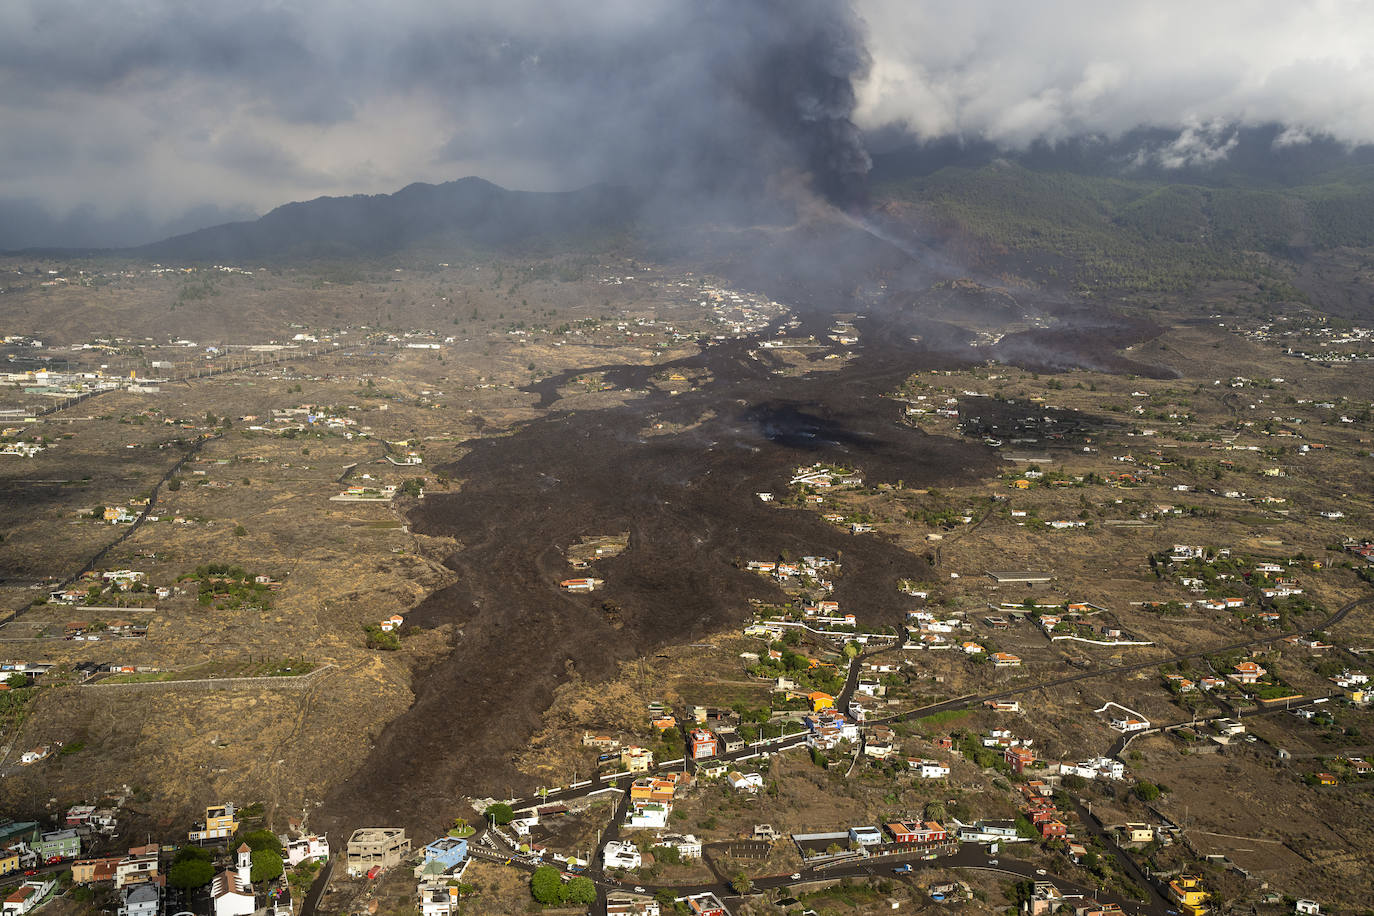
(1018, 758)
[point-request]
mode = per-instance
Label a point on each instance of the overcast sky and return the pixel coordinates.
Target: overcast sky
(129, 117)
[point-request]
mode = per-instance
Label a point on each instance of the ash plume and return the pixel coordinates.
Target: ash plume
(802, 82)
(697, 100)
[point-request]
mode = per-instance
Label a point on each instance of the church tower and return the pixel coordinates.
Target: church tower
(245, 866)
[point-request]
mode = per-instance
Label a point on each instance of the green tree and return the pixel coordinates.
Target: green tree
(501, 814)
(191, 873)
(741, 884)
(192, 854)
(267, 865)
(668, 855)
(580, 890)
(1146, 791)
(546, 886)
(261, 839)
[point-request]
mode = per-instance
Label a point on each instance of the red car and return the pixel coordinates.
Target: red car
(30, 872)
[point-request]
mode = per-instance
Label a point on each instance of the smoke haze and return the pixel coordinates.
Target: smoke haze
(128, 119)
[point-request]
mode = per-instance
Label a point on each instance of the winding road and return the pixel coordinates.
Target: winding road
(969, 855)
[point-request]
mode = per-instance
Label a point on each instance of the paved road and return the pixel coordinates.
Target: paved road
(312, 898)
(789, 741)
(1118, 670)
(1125, 862)
(1119, 746)
(969, 855)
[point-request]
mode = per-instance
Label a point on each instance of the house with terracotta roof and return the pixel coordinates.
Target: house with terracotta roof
(94, 870)
(1019, 757)
(917, 833)
(27, 896)
(1247, 673)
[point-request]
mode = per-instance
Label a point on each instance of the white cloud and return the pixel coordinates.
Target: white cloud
(1015, 72)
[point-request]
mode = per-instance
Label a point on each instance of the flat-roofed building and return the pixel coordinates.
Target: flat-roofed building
(376, 847)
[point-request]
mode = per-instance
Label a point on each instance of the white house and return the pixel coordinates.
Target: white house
(26, 896)
(1095, 768)
(141, 900)
(744, 782)
(650, 815)
(1129, 724)
(687, 845)
(436, 898)
(618, 854)
(305, 849)
(929, 769)
(866, 836)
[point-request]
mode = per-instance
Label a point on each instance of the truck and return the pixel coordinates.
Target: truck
(902, 869)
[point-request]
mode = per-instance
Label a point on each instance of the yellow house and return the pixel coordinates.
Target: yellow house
(9, 861)
(220, 823)
(1022, 484)
(1187, 892)
(637, 759)
(1140, 833)
(820, 700)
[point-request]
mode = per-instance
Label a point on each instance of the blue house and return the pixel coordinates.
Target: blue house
(444, 855)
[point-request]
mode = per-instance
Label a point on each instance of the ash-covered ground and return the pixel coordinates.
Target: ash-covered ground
(687, 499)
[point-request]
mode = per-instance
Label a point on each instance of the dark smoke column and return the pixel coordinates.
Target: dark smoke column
(793, 64)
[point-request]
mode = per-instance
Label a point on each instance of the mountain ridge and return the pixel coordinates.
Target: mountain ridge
(468, 212)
